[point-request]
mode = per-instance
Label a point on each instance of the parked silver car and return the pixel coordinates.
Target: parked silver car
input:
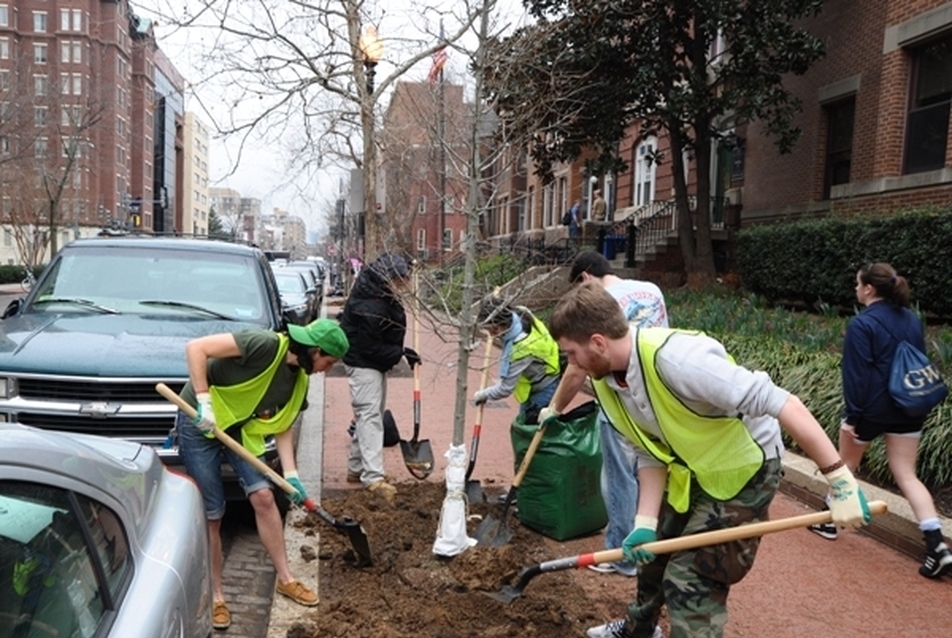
(98, 538)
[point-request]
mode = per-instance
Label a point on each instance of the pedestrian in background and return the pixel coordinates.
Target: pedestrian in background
(574, 221)
(251, 384)
(599, 207)
(643, 305)
(708, 437)
(868, 350)
(375, 324)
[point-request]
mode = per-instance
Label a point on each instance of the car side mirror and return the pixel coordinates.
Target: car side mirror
(12, 308)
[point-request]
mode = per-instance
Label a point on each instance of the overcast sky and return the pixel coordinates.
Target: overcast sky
(259, 173)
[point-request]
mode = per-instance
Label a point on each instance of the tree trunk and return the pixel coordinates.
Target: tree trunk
(685, 230)
(703, 266)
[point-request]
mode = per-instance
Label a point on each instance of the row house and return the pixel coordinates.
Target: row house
(875, 122)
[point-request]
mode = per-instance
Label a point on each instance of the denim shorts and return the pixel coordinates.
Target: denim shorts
(203, 458)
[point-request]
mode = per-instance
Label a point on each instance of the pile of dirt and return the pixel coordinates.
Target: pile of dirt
(409, 591)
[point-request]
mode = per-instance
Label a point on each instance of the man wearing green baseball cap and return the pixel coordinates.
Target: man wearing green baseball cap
(252, 384)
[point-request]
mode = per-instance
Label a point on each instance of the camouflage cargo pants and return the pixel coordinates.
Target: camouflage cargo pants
(695, 583)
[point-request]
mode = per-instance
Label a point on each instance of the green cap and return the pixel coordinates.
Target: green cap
(321, 333)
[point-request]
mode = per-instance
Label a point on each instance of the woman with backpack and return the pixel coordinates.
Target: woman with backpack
(868, 350)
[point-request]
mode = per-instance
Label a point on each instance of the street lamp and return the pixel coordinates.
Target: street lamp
(371, 50)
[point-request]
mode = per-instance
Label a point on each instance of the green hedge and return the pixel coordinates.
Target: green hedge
(15, 274)
(815, 261)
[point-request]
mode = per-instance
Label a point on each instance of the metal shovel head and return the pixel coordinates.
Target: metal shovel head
(493, 532)
(474, 492)
(358, 540)
(418, 457)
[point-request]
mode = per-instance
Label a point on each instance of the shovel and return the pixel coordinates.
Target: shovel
(417, 455)
(354, 530)
(668, 546)
(495, 532)
(474, 492)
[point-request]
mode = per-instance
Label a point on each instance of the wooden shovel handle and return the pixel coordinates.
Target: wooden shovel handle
(533, 446)
(234, 445)
(693, 541)
(484, 380)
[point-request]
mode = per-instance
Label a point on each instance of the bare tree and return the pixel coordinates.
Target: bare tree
(45, 130)
(291, 74)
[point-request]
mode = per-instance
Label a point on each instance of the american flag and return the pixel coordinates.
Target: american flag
(439, 60)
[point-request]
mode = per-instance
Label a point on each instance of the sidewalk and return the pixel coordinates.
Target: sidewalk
(800, 584)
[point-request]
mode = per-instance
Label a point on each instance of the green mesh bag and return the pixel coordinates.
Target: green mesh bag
(560, 494)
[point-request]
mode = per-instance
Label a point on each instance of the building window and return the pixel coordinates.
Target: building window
(77, 52)
(928, 124)
(39, 21)
(448, 239)
(4, 48)
(40, 85)
(4, 15)
(77, 20)
(40, 147)
(839, 144)
(421, 205)
(40, 116)
(4, 80)
(4, 145)
(77, 84)
(39, 53)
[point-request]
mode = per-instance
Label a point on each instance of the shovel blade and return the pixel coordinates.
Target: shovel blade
(358, 540)
(418, 457)
(493, 532)
(474, 492)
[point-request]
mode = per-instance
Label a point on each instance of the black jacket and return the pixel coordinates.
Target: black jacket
(374, 322)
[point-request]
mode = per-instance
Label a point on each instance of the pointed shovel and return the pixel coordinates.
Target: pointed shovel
(474, 492)
(671, 545)
(354, 530)
(417, 455)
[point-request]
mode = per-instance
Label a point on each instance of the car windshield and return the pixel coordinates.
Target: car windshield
(289, 282)
(149, 280)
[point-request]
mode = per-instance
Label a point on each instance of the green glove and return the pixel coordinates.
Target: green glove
(847, 501)
(644, 532)
(300, 495)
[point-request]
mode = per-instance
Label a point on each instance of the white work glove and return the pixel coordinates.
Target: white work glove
(847, 502)
(205, 417)
(548, 412)
(480, 397)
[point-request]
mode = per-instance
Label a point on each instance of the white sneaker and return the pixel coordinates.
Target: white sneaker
(616, 629)
(602, 568)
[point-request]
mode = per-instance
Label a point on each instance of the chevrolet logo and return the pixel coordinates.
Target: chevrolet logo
(98, 409)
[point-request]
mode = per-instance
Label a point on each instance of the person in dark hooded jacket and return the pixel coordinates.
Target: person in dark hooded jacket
(375, 324)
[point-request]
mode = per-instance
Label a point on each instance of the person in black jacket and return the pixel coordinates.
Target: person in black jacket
(375, 324)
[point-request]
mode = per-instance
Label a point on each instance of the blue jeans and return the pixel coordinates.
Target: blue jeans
(539, 399)
(203, 458)
(619, 480)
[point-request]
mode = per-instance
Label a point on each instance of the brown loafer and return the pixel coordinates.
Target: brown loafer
(353, 478)
(298, 592)
(221, 617)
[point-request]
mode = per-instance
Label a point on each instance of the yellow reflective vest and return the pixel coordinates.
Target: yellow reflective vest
(539, 344)
(718, 451)
(236, 403)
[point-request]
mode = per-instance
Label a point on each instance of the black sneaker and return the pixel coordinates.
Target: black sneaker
(826, 530)
(938, 561)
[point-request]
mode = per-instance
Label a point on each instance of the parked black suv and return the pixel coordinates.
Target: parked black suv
(109, 318)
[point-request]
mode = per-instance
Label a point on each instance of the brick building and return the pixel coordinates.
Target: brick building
(875, 117)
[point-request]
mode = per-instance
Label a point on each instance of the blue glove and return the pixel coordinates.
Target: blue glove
(300, 495)
(847, 501)
(204, 416)
(644, 532)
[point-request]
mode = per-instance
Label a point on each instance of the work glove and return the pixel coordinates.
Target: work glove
(204, 417)
(548, 412)
(847, 501)
(298, 497)
(644, 532)
(480, 397)
(413, 359)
